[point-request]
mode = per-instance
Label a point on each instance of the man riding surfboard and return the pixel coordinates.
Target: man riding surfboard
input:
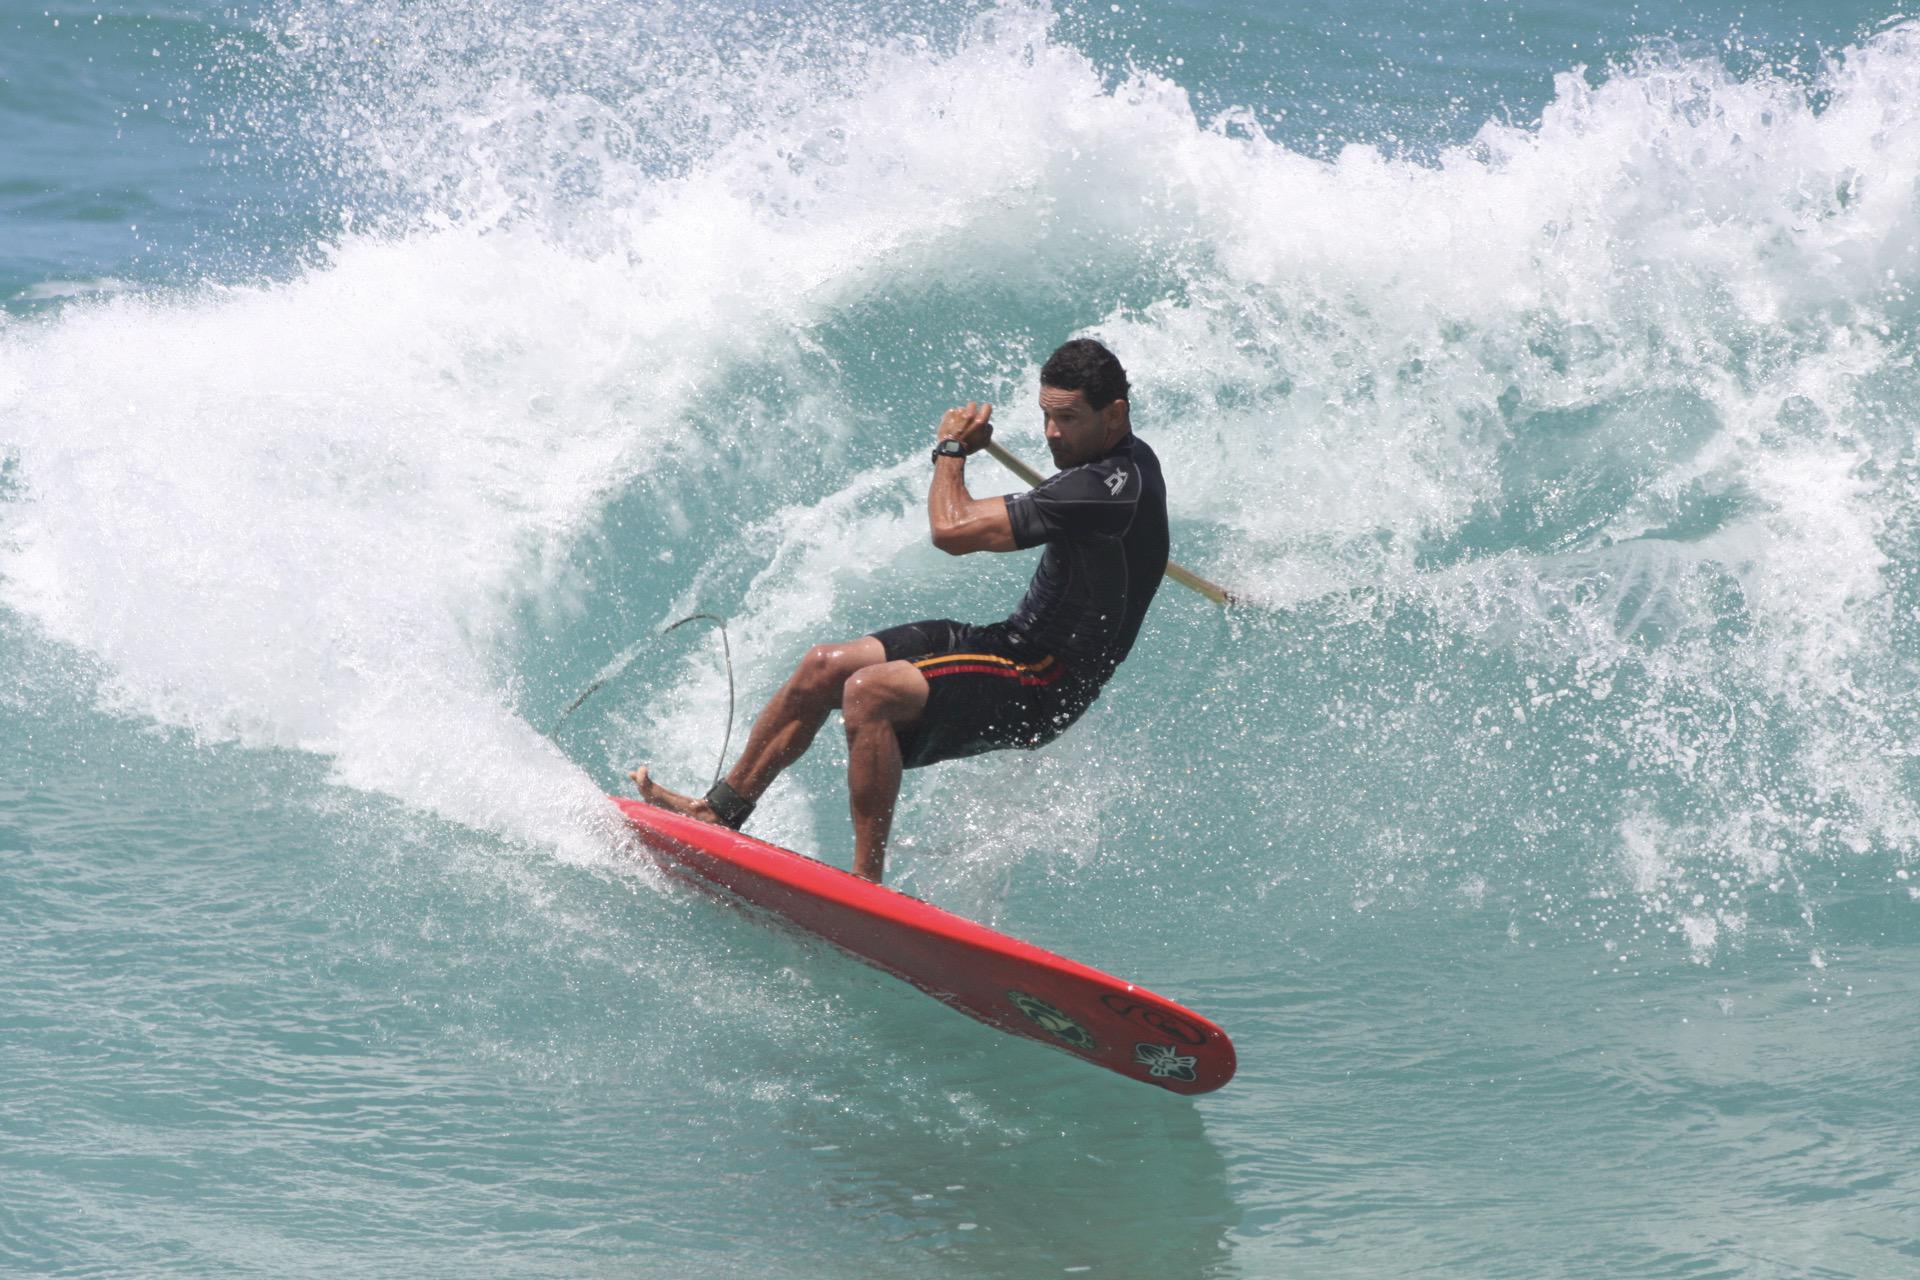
(923, 692)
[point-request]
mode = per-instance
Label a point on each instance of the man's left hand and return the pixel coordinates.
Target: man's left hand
(971, 426)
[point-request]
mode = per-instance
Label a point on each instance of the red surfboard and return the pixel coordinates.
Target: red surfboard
(985, 974)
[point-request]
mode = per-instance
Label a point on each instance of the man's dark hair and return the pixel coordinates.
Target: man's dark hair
(1085, 366)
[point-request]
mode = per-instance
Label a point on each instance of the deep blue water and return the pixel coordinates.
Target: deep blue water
(1543, 828)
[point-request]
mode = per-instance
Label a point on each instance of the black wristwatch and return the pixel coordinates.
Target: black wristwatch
(949, 448)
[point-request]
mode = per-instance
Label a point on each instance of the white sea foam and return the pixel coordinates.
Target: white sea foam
(1497, 388)
(54, 290)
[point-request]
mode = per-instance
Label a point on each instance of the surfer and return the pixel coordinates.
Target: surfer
(923, 692)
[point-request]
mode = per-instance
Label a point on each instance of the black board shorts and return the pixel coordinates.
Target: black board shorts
(987, 690)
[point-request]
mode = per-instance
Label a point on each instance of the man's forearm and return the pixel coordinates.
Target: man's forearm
(948, 502)
(961, 523)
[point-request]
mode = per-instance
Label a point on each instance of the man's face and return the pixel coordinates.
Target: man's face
(1076, 431)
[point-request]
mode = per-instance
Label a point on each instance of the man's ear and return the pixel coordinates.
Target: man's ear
(1114, 419)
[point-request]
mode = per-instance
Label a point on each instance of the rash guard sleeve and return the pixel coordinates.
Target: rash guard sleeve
(1092, 501)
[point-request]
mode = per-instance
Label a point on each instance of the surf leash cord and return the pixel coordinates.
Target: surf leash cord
(625, 660)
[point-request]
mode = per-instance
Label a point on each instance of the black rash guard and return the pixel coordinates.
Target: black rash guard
(1104, 524)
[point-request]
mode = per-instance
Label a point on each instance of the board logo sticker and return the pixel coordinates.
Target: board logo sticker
(1161, 1020)
(1164, 1062)
(1052, 1019)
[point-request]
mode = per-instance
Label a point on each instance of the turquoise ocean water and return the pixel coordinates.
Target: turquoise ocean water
(1544, 828)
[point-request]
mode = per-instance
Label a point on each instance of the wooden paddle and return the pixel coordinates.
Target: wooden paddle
(1185, 577)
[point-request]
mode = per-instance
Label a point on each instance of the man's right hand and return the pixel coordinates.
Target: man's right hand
(971, 426)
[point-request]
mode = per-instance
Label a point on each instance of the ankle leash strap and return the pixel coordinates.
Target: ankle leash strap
(732, 808)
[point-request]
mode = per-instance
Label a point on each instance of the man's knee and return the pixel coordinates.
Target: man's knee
(825, 668)
(815, 673)
(889, 692)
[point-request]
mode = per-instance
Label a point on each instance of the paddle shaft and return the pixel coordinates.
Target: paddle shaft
(1185, 577)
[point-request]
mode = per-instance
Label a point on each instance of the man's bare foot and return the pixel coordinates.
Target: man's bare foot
(672, 801)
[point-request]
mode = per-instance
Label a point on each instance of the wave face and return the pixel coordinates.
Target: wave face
(1564, 460)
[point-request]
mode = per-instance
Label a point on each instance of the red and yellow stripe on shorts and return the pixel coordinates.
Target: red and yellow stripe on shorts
(1040, 674)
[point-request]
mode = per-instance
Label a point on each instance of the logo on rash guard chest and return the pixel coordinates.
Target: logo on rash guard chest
(1117, 481)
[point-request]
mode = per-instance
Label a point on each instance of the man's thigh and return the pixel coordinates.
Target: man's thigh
(913, 640)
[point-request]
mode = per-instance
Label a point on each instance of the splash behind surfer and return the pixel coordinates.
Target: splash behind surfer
(922, 692)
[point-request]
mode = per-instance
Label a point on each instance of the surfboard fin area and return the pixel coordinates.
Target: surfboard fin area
(1008, 984)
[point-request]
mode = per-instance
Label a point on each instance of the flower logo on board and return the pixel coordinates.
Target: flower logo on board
(1164, 1062)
